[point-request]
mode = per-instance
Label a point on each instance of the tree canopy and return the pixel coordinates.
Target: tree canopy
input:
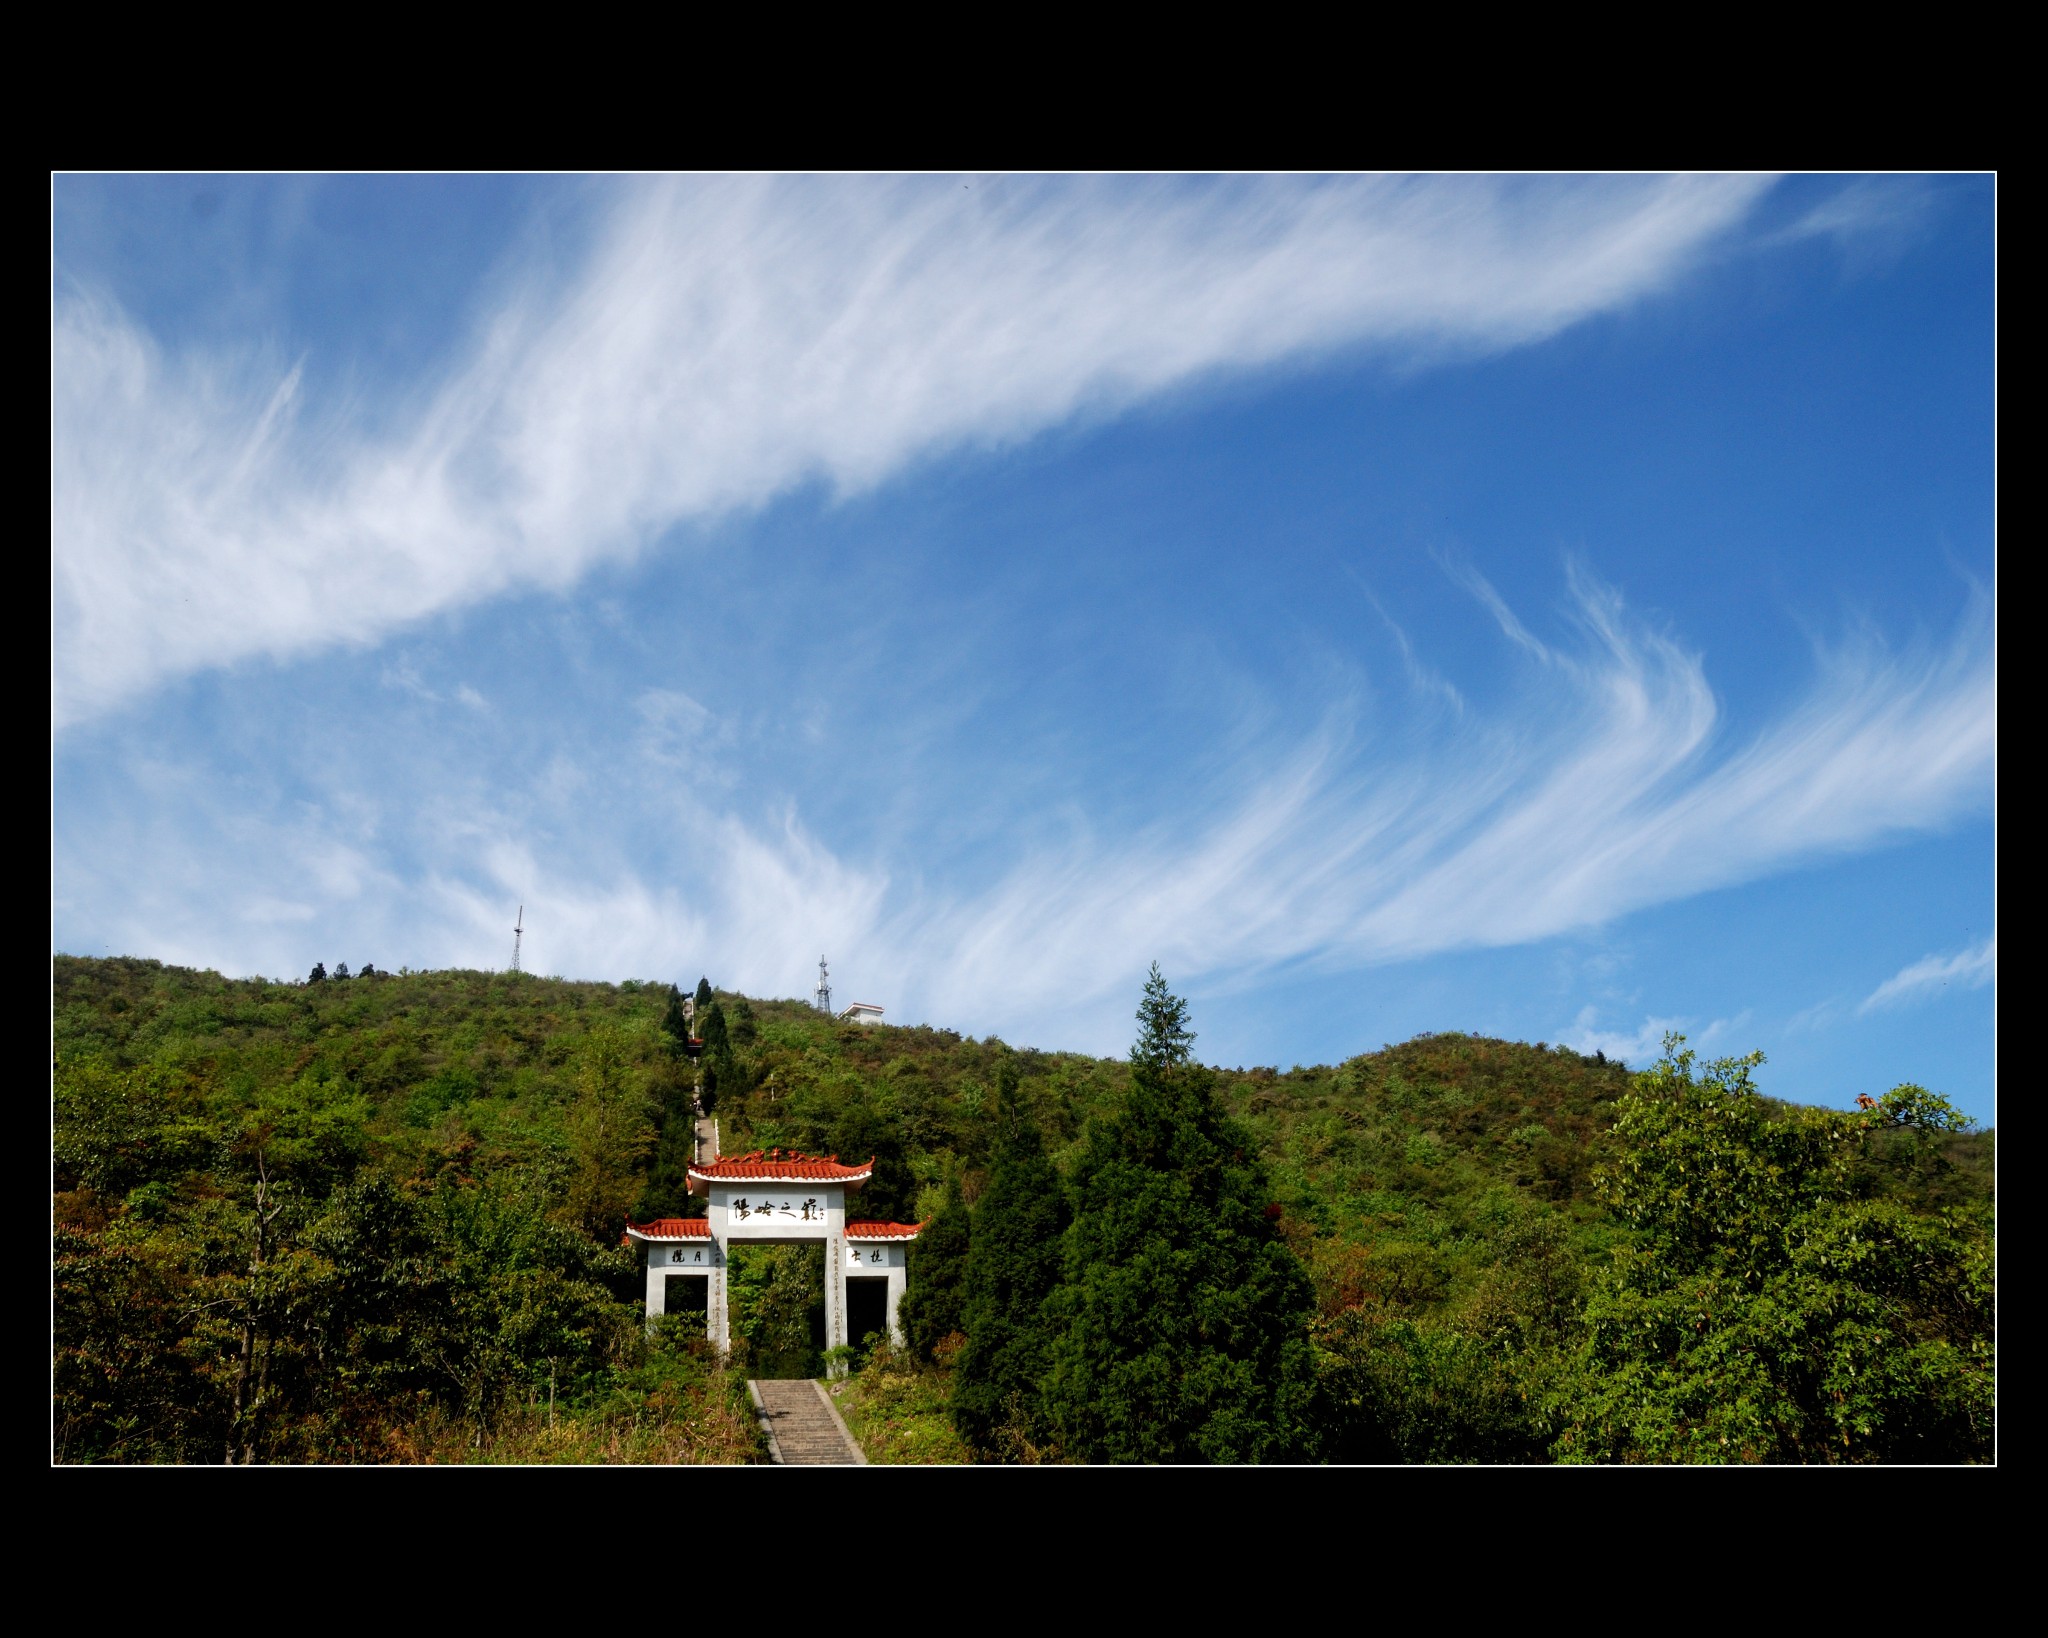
(381, 1222)
(1771, 1308)
(1183, 1316)
(936, 1275)
(1013, 1267)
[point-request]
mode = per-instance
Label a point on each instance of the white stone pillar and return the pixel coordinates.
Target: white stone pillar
(898, 1278)
(657, 1281)
(717, 1322)
(836, 1272)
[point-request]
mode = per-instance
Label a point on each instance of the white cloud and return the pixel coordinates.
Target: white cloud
(1645, 1045)
(1968, 970)
(1603, 793)
(726, 341)
(1607, 789)
(676, 729)
(1870, 219)
(1607, 786)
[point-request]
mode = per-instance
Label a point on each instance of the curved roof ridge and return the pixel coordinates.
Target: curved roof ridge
(884, 1231)
(669, 1228)
(781, 1166)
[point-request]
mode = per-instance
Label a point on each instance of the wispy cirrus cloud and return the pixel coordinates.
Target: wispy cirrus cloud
(1969, 969)
(1870, 219)
(723, 342)
(1608, 783)
(1607, 789)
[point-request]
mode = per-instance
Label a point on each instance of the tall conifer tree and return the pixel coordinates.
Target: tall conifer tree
(937, 1274)
(1013, 1265)
(863, 1128)
(1185, 1317)
(718, 1064)
(674, 1025)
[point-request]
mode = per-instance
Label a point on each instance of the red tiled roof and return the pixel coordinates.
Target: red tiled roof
(670, 1228)
(699, 1228)
(781, 1166)
(883, 1231)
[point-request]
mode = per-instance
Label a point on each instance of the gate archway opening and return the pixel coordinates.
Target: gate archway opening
(776, 1295)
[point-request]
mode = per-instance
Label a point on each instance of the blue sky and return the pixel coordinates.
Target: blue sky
(1556, 608)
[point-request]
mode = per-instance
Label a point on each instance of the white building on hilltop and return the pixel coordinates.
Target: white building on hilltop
(861, 1012)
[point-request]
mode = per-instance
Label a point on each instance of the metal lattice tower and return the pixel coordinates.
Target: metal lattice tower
(518, 932)
(823, 999)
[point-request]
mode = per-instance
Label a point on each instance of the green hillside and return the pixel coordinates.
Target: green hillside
(378, 1218)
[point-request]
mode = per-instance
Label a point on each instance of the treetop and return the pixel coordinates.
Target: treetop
(1164, 1039)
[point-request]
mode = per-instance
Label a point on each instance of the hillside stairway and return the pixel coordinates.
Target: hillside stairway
(803, 1425)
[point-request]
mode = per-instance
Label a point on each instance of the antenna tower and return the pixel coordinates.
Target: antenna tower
(518, 932)
(823, 1001)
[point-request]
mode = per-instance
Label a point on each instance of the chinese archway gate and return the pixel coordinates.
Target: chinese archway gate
(775, 1197)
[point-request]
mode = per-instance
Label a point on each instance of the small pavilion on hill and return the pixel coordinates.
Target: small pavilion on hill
(778, 1197)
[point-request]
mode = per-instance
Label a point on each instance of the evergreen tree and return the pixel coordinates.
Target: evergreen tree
(936, 1278)
(1013, 1266)
(703, 996)
(745, 1028)
(712, 1031)
(1184, 1334)
(862, 1129)
(719, 1069)
(674, 1025)
(319, 973)
(667, 1190)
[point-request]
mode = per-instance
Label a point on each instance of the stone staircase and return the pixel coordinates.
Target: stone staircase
(803, 1425)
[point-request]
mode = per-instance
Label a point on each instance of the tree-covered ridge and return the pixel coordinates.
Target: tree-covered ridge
(375, 1217)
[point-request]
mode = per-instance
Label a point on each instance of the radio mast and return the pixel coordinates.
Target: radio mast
(823, 999)
(518, 932)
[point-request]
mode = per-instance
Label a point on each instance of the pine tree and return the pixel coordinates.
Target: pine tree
(720, 1072)
(1013, 1266)
(936, 1279)
(1184, 1318)
(712, 1032)
(674, 1025)
(666, 1192)
(745, 1028)
(703, 995)
(863, 1128)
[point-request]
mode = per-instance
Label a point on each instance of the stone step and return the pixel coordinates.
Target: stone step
(804, 1427)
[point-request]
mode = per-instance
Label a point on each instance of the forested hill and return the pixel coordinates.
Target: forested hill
(378, 1217)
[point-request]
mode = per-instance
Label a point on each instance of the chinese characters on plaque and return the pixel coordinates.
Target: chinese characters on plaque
(677, 1256)
(803, 1211)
